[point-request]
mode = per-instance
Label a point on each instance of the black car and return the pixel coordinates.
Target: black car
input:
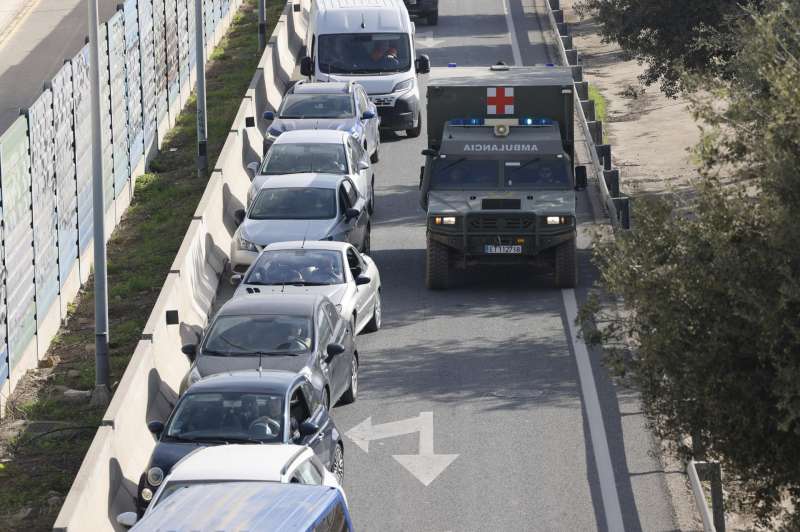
(243, 407)
(302, 333)
(427, 9)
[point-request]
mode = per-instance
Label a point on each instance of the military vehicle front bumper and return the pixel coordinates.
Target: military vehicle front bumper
(471, 235)
(421, 8)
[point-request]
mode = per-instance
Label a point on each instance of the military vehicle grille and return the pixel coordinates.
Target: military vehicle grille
(501, 223)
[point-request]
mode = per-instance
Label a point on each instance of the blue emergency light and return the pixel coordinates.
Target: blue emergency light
(531, 121)
(466, 122)
(451, 65)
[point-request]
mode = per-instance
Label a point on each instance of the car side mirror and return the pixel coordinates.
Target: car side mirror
(362, 280)
(427, 152)
(239, 215)
(269, 115)
(252, 169)
(307, 428)
(236, 278)
(581, 181)
(307, 66)
(127, 519)
(422, 64)
(333, 350)
(155, 427)
(368, 115)
(190, 350)
(363, 165)
(351, 213)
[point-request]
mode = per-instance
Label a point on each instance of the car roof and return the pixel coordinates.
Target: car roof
(237, 462)
(328, 87)
(263, 506)
(272, 304)
(312, 136)
(304, 180)
(310, 244)
(248, 381)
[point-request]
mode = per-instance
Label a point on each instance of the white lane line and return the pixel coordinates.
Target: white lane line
(597, 430)
(513, 33)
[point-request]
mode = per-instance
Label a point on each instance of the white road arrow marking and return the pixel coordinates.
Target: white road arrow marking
(427, 40)
(426, 465)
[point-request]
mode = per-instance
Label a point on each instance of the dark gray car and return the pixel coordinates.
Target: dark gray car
(259, 407)
(302, 333)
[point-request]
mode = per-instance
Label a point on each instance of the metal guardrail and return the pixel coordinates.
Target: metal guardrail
(597, 167)
(714, 517)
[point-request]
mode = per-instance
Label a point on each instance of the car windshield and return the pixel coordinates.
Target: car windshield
(294, 204)
(328, 158)
(317, 106)
(297, 266)
(228, 417)
(541, 172)
(464, 174)
(364, 53)
(258, 334)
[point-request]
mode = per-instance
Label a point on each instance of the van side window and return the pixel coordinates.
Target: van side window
(334, 521)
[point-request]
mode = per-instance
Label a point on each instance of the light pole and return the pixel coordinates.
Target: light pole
(202, 123)
(102, 393)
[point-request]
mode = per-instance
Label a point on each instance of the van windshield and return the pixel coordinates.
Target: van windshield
(364, 53)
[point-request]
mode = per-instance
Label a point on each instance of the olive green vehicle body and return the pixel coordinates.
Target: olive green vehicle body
(492, 217)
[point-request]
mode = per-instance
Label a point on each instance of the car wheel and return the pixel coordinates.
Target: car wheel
(375, 157)
(375, 323)
(416, 130)
(352, 391)
(365, 245)
(337, 466)
(371, 206)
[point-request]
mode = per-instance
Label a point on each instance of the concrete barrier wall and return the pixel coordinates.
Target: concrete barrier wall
(108, 478)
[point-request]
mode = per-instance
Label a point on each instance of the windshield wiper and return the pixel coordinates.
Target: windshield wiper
(216, 439)
(214, 353)
(264, 354)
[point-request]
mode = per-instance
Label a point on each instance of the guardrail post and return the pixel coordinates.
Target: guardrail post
(577, 73)
(596, 129)
(558, 16)
(572, 56)
(588, 109)
(566, 40)
(582, 89)
(604, 153)
(563, 28)
(612, 182)
(623, 211)
(713, 474)
(554, 5)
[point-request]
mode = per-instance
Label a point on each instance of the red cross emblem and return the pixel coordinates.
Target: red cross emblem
(500, 101)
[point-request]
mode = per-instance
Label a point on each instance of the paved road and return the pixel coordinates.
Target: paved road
(490, 359)
(36, 46)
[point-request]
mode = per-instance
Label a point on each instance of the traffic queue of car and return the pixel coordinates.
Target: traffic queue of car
(283, 350)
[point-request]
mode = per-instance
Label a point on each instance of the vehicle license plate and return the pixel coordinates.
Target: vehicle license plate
(502, 249)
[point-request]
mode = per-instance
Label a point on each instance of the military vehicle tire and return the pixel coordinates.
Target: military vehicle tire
(437, 265)
(415, 131)
(566, 267)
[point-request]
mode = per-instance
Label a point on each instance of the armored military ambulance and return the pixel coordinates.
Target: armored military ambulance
(499, 179)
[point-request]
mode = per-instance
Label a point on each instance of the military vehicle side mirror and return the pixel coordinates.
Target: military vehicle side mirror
(580, 178)
(427, 152)
(252, 169)
(421, 176)
(423, 64)
(239, 216)
(269, 115)
(306, 66)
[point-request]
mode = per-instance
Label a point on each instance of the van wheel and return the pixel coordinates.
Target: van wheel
(416, 130)
(566, 265)
(352, 391)
(337, 465)
(437, 265)
(432, 19)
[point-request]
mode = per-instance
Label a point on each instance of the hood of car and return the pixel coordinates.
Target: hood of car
(167, 453)
(265, 232)
(292, 124)
(335, 292)
(210, 365)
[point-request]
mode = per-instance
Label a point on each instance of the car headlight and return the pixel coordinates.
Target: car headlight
(155, 476)
(246, 245)
(404, 85)
(444, 220)
(558, 220)
(147, 494)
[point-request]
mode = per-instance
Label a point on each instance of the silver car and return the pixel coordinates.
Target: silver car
(343, 106)
(350, 279)
(300, 207)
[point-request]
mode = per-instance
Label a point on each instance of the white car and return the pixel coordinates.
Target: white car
(317, 151)
(240, 463)
(350, 279)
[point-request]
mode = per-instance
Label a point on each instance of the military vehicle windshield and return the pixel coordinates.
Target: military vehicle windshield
(464, 173)
(541, 172)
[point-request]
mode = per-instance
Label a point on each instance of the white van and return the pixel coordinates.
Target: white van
(371, 42)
